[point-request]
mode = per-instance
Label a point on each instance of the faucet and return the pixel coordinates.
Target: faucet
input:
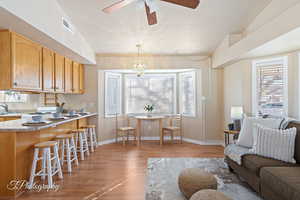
(5, 106)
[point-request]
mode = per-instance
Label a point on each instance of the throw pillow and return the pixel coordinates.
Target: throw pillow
(274, 143)
(246, 135)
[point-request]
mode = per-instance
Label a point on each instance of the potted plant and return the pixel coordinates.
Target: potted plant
(149, 108)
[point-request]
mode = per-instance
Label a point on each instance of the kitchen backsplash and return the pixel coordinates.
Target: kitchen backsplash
(36, 100)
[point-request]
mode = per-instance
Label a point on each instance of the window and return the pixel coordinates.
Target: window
(156, 89)
(270, 87)
(113, 94)
(169, 92)
(12, 97)
(187, 97)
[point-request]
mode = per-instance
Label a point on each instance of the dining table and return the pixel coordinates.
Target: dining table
(158, 119)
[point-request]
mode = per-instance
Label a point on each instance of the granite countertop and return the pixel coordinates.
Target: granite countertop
(17, 125)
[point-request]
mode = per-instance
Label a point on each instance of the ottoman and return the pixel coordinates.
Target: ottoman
(192, 180)
(209, 195)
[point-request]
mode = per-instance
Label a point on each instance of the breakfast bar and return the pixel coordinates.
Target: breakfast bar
(16, 147)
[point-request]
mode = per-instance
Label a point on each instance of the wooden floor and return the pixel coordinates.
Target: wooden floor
(115, 172)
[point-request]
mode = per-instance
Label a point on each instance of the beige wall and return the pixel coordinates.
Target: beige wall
(206, 126)
(238, 86)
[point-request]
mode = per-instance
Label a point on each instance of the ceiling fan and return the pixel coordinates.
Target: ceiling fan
(151, 7)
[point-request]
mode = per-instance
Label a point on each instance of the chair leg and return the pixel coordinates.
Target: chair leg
(33, 168)
(86, 144)
(90, 132)
(172, 137)
(62, 156)
(49, 168)
(95, 137)
(74, 150)
(43, 164)
(68, 155)
(123, 138)
(81, 147)
(58, 166)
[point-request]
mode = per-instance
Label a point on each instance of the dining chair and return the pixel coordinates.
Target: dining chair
(124, 129)
(174, 127)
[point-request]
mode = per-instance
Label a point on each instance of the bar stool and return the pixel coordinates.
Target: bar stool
(81, 142)
(67, 146)
(92, 138)
(48, 168)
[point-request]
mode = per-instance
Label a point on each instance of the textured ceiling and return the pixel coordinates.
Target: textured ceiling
(179, 30)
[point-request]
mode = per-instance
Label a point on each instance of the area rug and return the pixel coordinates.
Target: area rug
(162, 175)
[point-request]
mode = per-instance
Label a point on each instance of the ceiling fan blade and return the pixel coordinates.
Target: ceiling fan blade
(152, 18)
(186, 3)
(117, 6)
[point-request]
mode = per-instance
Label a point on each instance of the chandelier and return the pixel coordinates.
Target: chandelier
(139, 67)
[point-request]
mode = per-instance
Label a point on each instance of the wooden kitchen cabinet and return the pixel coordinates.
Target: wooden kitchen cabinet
(81, 79)
(76, 78)
(59, 73)
(21, 63)
(48, 71)
(27, 66)
(68, 76)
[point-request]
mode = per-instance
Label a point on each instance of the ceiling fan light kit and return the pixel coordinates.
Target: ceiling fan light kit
(151, 7)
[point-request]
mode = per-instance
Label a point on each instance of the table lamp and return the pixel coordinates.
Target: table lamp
(236, 116)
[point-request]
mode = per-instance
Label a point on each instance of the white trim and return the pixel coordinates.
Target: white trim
(194, 77)
(119, 76)
(206, 143)
(257, 63)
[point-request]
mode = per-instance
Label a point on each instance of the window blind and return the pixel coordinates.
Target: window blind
(270, 88)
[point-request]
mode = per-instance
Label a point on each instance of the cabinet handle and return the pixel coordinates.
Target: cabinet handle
(15, 83)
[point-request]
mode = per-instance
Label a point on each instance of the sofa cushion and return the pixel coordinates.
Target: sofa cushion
(297, 141)
(254, 163)
(283, 180)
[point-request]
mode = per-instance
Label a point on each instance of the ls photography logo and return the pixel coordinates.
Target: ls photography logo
(17, 185)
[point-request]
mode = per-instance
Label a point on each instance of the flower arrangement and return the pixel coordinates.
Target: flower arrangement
(149, 108)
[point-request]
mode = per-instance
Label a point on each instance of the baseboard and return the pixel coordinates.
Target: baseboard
(207, 142)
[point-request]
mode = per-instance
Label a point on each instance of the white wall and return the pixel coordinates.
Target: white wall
(41, 21)
(274, 21)
(238, 86)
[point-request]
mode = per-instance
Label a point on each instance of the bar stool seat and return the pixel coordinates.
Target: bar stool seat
(50, 162)
(81, 142)
(88, 126)
(92, 138)
(45, 144)
(67, 144)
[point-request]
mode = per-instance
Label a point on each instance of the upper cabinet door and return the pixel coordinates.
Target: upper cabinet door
(59, 73)
(76, 78)
(48, 70)
(81, 78)
(26, 64)
(68, 76)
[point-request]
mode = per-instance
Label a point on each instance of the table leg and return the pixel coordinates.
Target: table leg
(160, 131)
(138, 132)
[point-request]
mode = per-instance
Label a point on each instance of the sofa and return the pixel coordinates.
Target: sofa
(272, 179)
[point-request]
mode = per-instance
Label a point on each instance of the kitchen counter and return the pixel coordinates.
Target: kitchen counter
(17, 145)
(17, 125)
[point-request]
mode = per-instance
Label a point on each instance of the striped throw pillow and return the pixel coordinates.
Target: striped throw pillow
(274, 143)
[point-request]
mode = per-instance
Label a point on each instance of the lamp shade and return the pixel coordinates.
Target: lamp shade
(236, 112)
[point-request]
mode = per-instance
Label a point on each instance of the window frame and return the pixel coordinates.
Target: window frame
(106, 75)
(177, 86)
(173, 75)
(180, 92)
(267, 62)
